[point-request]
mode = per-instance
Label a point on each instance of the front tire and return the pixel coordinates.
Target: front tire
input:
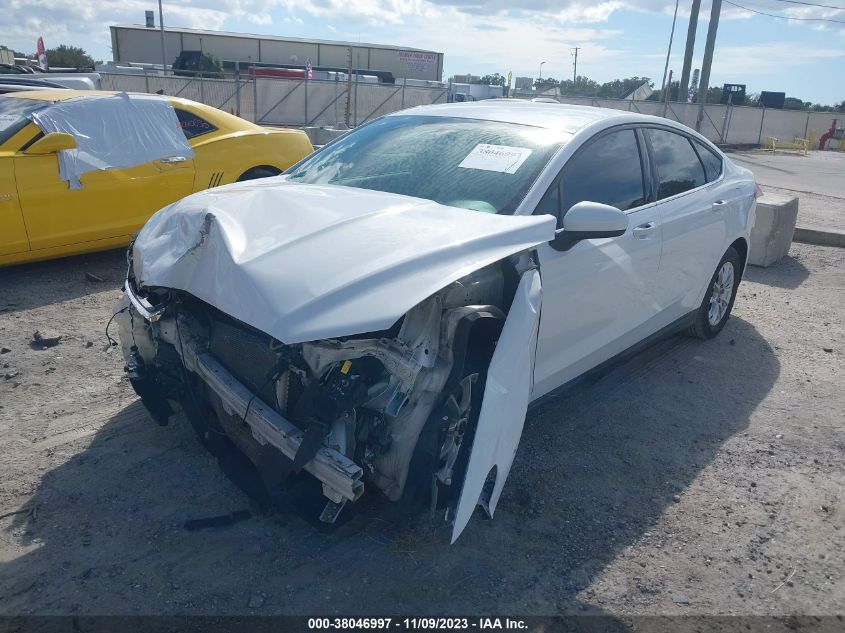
(719, 299)
(438, 465)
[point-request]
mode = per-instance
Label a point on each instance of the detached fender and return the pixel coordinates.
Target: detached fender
(503, 408)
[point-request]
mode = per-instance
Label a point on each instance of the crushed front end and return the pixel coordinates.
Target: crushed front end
(348, 411)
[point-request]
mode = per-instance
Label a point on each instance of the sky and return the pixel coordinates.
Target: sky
(617, 38)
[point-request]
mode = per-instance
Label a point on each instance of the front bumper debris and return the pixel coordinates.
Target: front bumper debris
(341, 477)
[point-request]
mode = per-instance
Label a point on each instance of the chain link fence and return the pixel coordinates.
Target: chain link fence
(301, 103)
(728, 124)
(275, 101)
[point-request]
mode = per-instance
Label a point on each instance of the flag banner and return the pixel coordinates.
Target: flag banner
(42, 55)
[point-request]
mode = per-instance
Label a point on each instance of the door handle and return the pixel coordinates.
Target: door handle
(644, 231)
(173, 159)
(719, 205)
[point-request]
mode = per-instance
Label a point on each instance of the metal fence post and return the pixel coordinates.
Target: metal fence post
(202, 89)
(356, 99)
(146, 81)
(760, 135)
(667, 94)
(306, 100)
(238, 88)
(254, 98)
(405, 81)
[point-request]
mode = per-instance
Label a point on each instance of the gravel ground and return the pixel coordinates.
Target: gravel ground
(697, 478)
(825, 213)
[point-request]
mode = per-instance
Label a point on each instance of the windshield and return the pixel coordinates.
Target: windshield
(13, 113)
(482, 165)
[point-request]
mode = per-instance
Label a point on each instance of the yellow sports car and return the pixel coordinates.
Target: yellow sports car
(83, 171)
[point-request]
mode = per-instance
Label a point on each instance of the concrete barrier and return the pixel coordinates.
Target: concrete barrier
(773, 228)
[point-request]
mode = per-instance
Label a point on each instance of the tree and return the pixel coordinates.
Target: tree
(581, 87)
(209, 64)
(621, 88)
(492, 80)
(659, 95)
(69, 57)
(714, 95)
(794, 103)
(545, 83)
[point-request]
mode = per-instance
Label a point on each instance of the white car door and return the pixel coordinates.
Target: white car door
(600, 296)
(692, 213)
(506, 395)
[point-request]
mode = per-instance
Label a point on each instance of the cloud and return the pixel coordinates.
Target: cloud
(477, 36)
(71, 21)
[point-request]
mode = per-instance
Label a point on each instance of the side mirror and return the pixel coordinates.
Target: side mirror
(52, 143)
(589, 220)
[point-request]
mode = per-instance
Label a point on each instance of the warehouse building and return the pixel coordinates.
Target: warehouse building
(140, 44)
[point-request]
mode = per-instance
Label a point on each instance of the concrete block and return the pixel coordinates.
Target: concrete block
(323, 135)
(773, 228)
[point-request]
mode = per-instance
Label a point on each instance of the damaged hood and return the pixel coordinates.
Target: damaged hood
(307, 262)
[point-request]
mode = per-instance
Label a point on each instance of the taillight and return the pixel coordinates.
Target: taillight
(757, 191)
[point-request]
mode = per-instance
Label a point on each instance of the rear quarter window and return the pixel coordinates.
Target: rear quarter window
(711, 160)
(193, 125)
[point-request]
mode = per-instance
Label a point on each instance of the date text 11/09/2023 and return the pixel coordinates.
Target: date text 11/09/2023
(424, 623)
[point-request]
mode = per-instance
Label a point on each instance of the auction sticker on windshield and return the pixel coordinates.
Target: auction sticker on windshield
(501, 158)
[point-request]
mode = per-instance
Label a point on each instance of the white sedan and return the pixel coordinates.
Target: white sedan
(384, 313)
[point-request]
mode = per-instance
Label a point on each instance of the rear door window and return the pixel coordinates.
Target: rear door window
(193, 125)
(678, 166)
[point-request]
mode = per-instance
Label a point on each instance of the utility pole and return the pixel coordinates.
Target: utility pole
(348, 86)
(575, 67)
(683, 87)
(704, 82)
(669, 52)
(163, 49)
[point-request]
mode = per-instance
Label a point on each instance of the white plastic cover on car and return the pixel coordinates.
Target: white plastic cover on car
(506, 395)
(113, 132)
(306, 262)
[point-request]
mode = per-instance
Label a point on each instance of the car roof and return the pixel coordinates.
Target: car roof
(63, 94)
(553, 116)
(221, 119)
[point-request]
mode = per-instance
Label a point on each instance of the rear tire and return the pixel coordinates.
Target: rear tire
(719, 299)
(263, 171)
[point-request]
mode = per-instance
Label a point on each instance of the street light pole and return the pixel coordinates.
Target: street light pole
(669, 52)
(541, 70)
(163, 50)
(575, 67)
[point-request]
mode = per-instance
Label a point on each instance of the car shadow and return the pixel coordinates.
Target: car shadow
(103, 532)
(788, 273)
(27, 286)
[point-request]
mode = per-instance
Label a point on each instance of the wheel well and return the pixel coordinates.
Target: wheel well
(253, 172)
(474, 341)
(741, 247)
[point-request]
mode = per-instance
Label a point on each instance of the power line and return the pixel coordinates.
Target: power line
(784, 17)
(813, 4)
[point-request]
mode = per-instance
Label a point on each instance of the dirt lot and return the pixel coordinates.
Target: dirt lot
(816, 179)
(698, 478)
